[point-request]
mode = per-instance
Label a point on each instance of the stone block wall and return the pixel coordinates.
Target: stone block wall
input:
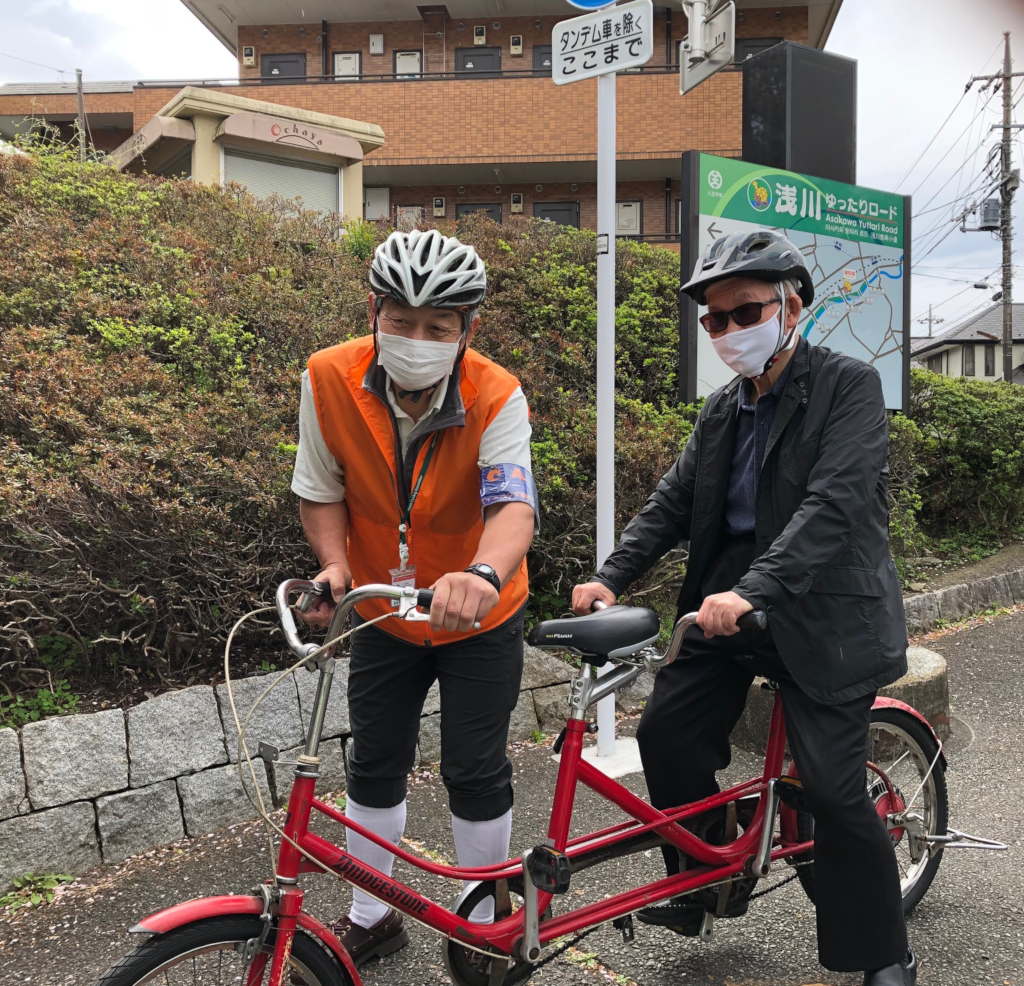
(82, 790)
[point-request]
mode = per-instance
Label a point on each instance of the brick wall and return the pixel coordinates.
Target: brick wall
(440, 52)
(517, 119)
(651, 193)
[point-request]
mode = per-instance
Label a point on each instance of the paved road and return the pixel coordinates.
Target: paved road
(969, 930)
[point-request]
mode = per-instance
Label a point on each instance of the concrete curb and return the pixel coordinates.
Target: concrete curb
(130, 781)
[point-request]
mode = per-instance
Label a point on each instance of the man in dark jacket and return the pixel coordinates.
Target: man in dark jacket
(781, 493)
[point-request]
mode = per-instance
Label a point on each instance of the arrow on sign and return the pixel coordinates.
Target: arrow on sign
(714, 231)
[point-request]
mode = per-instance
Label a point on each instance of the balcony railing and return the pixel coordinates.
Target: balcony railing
(389, 77)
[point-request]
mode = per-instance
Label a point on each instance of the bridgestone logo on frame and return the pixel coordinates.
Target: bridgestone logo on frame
(382, 887)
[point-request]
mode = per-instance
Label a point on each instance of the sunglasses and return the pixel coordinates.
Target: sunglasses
(743, 315)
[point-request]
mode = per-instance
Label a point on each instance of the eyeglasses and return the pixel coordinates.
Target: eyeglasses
(743, 315)
(400, 325)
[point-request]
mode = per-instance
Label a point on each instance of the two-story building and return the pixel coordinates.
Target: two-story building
(974, 347)
(462, 92)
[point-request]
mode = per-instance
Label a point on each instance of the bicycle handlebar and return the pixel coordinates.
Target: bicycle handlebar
(412, 599)
(754, 620)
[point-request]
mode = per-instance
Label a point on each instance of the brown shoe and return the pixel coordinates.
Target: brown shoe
(362, 944)
(386, 936)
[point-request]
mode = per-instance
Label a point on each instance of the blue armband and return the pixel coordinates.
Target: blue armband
(506, 482)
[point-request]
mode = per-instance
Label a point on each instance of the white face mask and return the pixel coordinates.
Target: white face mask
(746, 351)
(415, 364)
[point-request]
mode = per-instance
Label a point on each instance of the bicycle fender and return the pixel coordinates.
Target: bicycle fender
(331, 942)
(882, 702)
(196, 910)
(211, 907)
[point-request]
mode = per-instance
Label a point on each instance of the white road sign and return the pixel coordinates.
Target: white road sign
(716, 50)
(607, 40)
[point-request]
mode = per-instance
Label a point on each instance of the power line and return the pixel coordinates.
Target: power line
(942, 127)
(969, 126)
(61, 71)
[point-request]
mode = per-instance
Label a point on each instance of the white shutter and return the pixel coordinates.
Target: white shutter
(264, 175)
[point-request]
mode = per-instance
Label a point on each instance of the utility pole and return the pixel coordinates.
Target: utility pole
(929, 320)
(81, 115)
(1009, 180)
(1005, 224)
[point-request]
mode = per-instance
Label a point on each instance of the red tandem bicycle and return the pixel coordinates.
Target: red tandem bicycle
(732, 840)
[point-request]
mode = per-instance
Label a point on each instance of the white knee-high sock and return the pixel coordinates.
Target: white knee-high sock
(482, 844)
(388, 823)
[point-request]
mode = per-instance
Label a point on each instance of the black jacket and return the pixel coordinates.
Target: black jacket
(824, 574)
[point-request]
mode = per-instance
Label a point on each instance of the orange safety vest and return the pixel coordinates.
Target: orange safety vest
(446, 521)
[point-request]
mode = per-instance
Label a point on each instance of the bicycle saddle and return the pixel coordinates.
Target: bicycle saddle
(607, 634)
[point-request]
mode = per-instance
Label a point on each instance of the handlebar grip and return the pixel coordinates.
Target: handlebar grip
(424, 597)
(754, 620)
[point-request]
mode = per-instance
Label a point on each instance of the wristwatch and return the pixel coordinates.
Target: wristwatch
(487, 573)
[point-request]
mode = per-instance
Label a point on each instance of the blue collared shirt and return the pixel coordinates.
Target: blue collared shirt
(754, 418)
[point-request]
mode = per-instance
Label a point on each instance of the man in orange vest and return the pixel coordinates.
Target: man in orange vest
(414, 468)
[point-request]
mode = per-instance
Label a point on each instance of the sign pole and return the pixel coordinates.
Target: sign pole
(606, 120)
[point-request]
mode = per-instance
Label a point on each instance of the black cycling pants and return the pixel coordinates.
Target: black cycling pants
(684, 740)
(479, 682)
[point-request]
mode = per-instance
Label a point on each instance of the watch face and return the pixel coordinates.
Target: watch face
(485, 568)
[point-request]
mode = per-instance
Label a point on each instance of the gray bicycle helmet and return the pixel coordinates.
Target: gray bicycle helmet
(425, 267)
(764, 254)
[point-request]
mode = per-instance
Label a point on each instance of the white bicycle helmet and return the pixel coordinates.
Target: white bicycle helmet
(425, 267)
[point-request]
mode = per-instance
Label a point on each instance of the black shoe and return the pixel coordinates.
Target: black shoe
(684, 915)
(900, 974)
(362, 944)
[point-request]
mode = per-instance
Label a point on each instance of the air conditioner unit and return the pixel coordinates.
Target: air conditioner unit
(628, 218)
(248, 56)
(480, 34)
(439, 207)
(517, 201)
(991, 215)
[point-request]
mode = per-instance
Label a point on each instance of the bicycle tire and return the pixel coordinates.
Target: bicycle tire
(922, 737)
(157, 956)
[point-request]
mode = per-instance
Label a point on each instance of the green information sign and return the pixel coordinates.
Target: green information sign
(853, 238)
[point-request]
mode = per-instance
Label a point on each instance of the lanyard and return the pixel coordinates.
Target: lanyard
(403, 526)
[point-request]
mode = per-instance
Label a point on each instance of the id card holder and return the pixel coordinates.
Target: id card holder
(404, 577)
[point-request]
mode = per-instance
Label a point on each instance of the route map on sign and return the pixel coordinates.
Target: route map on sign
(852, 238)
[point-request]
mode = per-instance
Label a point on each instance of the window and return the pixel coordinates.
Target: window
(264, 175)
(408, 217)
(564, 213)
(990, 361)
(277, 68)
(935, 363)
(348, 64)
(746, 47)
(408, 64)
(969, 359)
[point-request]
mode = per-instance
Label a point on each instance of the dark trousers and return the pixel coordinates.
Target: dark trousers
(684, 740)
(479, 682)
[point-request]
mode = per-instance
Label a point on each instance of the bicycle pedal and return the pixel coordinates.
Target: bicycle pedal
(625, 925)
(791, 792)
(550, 870)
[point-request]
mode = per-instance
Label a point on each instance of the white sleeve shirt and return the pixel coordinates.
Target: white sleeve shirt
(319, 477)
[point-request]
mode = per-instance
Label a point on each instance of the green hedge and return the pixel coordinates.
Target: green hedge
(152, 337)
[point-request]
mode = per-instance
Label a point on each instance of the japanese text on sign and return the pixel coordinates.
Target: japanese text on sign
(606, 41)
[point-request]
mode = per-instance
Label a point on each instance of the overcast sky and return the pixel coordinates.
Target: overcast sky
(915, 57)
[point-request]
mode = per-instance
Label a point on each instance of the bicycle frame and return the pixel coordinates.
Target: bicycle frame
(752, 852)
(519, 935)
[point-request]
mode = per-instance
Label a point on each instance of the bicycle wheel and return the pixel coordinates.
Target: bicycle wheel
(906, 751)
(209, 953)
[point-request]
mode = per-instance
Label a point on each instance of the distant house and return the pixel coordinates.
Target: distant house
(974, 348)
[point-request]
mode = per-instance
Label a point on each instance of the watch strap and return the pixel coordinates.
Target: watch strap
(486, 573)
